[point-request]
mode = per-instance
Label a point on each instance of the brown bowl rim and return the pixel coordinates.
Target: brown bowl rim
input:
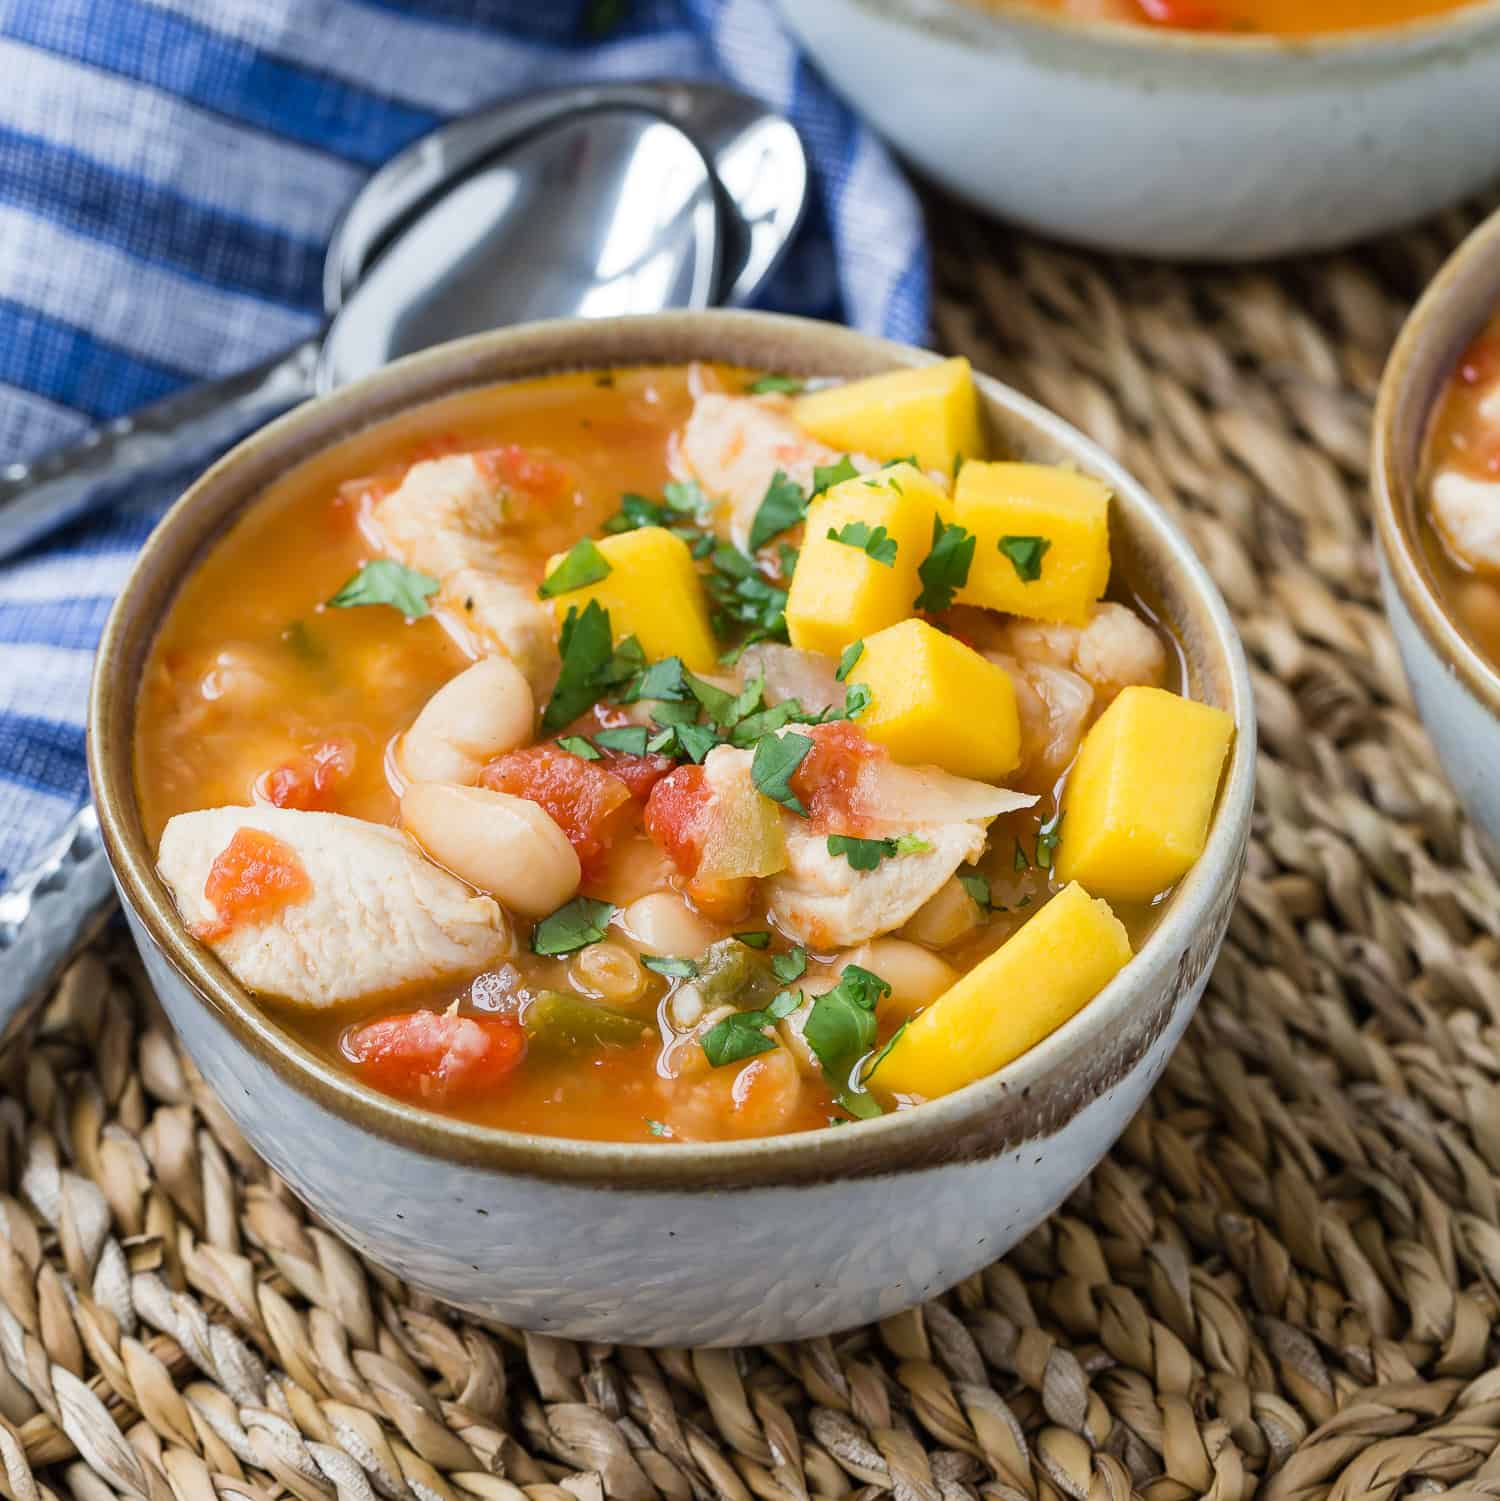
(959, 1125)
(1394, 489)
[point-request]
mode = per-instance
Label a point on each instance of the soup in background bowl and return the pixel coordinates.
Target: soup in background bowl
(692, 752)
(1287, 18)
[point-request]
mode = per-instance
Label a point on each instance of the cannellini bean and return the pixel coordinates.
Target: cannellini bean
(917, 976)
(686, 1007)
(608, 971)
(683, 1057)
(501, 844)
(766, 1092)
(485, 711)
(662, 923)
(793, 1034)
(946, 916)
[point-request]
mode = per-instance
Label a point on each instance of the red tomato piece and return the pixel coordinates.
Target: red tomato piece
(310, 781)
(591, 805)
(252, 878)
(639, 773)
(677, 817)
(827, 781)
(1187, 15)
(434, 1056)
(519, 468)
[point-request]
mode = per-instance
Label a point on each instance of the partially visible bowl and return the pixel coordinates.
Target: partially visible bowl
(1183, 145)
(762, 1240)
(1457, 688)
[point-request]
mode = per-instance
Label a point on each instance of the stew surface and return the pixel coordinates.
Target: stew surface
(1268, 17)
(621, 861)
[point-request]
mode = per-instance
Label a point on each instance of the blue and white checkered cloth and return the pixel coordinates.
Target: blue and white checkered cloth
(170, 171)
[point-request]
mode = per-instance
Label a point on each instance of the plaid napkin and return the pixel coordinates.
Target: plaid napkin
(170, 171)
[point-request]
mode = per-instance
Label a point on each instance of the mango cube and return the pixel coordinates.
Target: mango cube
(935, 701)
(1137, 805)
(839, 591)
(652, 592)
(1042, 539)
(1044, 973)
(931, 413)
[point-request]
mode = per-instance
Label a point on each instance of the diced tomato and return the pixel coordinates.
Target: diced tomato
(639, 773)
(827, 781)
(590, 804)
(310, 781)
(252, 878)
(677, 817)
(520, 469)
(1480, 362)
(434, 1056)
(1189, 15)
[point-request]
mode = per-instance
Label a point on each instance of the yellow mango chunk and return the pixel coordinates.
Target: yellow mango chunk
(1137, 804)
(935, 701)
(839, 592)
(1044, 973)
(1015, 503)
(931, 413)
(652, 592)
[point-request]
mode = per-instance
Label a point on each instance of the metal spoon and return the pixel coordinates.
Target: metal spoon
(757, 162)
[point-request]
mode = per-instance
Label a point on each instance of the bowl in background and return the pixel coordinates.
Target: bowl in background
(1456, 687)
(712, 1243)
(1181, 145)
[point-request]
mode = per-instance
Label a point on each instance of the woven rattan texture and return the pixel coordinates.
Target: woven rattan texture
(1285, 1279)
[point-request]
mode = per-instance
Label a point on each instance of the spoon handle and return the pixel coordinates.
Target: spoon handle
(61, 485)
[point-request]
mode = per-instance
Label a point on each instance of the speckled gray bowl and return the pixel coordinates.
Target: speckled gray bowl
(763, 1240)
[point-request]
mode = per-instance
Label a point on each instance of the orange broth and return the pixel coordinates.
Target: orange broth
(1292, 18)
(252, 671)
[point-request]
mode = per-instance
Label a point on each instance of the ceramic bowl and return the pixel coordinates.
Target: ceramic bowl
(1173, 144)
(1456, 688)
(711, 1243)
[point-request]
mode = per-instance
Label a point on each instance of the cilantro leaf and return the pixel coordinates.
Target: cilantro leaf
(717, 704)
(742, 595)
(1049, 836)
(387, 582)
(862, 1106)
(666, 712)
(666, 679)
(573, 926)
(766, 722)
(586, 658)
(862, 854)
(583, 565)
(875, 542)
(747, 701)
(841, 1025)
(635, 511)
(758, 938)
(945, 569)
(629, 740)
(791, 965)
(789, 384)
(742, 1035)
(675, 969)
(1020, 862)
(911, 844)
(852, 653)
(783, 505)
(1026, 554)
(776, 758)
(656, 1128)
(826, 476)
(856, 700)
(578, 746)
(978, 887)
(686, 497)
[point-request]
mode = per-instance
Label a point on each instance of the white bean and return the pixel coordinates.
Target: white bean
(686, 1007)
(501, 844)
(766, 1092)
(917, 976)
(945, 917)
(662, 923)
(485, 711)
(608, 971)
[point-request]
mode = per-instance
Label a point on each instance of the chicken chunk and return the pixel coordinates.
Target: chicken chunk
(370, 913)
(447, 519)
(1115, 650)
(733, 446)
(822, 901)
(1467, 513)
(1054, 706)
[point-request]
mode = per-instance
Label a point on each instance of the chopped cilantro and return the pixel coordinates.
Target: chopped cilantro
(767, 384)
(1020, 862)
(586, 658)
(788, 556)
(573, 926)
(862, 1106)
(665, 712)
(1049, 836)
(841, 1025)
(387, 582)
(978, 887)
(783, 505)
(635, 511)
(766, 722)
(1026, 554)
(743, 596)
(686, 497)
(791, 965)
(757, 938)
(583, 565)
(826, 476)
(666, 679)
(908, 459)
(945, 569)
(656, 1128)
(875, 542)
(742, 1035)
(747, 701)
(576, 745)
(691, 740)
(911, 844)
(717, 704)
(675, 969)
(776, 758)
(629, 740)
(862, 854)
(852, 653)
(856, 701)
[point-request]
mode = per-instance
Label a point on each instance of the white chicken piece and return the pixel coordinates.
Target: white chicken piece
(1054, 705)
(446, 518)
(733, 446)
(823, 902)
(378, 914)
(1467, 513)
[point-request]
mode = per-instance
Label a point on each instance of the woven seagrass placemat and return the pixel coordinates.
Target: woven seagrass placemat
(1285, 1279)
